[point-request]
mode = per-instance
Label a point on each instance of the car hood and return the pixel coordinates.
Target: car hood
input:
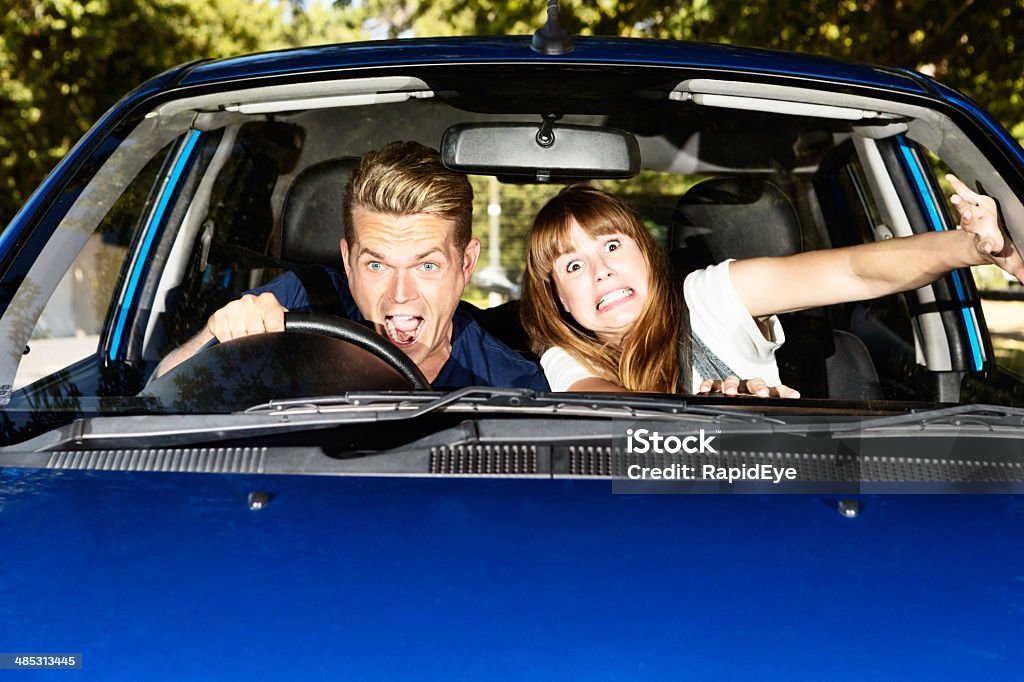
(173, 575)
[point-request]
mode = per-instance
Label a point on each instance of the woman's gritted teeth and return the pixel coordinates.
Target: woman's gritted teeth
(610, 299)
(403, 330)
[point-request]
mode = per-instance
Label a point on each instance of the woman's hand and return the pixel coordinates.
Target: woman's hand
(732, 385)
(979, 215)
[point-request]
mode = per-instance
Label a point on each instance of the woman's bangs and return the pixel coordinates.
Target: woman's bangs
(599, 215)
(600, 225)
(594, 223)
(596, 213)
(551, 240)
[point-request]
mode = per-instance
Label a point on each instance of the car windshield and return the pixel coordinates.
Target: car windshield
(197, 198)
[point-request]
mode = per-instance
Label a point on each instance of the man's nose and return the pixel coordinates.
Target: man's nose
(403, 288)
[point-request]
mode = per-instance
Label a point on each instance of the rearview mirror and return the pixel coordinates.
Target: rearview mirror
(540, 152)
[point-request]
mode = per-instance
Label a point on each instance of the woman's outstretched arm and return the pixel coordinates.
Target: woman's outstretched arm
(817, 278)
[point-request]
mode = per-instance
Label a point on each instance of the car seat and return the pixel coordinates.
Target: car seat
(313, 220)
(746, 217)
(312, 226)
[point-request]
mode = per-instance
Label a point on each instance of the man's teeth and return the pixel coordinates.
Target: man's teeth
(403, 328)
(613, 296)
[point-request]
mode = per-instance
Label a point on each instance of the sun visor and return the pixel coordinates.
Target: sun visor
(300, 96)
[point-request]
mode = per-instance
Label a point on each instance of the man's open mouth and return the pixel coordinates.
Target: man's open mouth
(613, 297)
(403, 330)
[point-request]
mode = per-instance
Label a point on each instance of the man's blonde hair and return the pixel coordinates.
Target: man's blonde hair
(405, 178)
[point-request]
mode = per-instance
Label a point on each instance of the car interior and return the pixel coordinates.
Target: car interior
(232, 188)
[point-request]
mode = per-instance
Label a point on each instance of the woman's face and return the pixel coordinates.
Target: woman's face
(602, 282)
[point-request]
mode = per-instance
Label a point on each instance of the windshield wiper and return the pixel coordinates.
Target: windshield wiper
(958, 415)
(428, 402)
(307, 414)
(413, 405)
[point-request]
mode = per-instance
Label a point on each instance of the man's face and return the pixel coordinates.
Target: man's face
(407, 277)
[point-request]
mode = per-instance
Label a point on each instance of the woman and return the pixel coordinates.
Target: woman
(602, 311)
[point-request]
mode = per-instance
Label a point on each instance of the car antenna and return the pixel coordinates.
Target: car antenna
(552, 39)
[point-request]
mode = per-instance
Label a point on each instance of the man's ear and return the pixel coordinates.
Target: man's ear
(469, 258)
(344, 257)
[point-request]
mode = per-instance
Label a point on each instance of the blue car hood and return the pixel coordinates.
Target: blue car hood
(173, 576)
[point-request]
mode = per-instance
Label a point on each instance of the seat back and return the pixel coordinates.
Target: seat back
(313, 220)
(851, 373)
(741, 217)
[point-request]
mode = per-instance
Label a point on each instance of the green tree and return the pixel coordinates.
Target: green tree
(967, 44)
(64, 62)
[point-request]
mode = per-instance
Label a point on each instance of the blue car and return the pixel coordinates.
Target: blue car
(265, 510)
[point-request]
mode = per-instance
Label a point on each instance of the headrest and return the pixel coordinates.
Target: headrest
(740, 217)
(314, 220)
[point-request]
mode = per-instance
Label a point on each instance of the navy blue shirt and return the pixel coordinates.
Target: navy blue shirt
(477, 359)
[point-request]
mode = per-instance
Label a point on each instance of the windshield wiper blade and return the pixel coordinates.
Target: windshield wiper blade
(430, 401)
(303, 414)
(529, 400)
(958, 415)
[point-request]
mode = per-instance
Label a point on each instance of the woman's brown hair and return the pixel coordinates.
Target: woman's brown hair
(648, 359)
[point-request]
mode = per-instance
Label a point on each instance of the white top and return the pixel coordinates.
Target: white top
(718, 317)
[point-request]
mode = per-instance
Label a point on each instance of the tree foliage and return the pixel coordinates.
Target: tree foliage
(64, 62)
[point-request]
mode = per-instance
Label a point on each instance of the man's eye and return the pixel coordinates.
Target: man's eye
(376, 266)
(612, 245)
(430, 267)
(574, 265)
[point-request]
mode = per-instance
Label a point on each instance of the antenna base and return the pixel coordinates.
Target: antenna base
(552, 39)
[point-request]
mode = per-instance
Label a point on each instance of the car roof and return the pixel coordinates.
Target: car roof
(587, 50)
(726, 62)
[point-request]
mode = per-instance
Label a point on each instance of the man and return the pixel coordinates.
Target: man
(408, 254)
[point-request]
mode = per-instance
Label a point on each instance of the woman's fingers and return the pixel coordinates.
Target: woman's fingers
(963, 190)
(733, 385)
(755, 386)
(979, 215)
(783, 391)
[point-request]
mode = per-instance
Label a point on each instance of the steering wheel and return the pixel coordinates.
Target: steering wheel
(317, 355)
(358, 335)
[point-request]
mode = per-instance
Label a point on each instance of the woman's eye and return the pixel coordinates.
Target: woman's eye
(612, 245)
(573, 266)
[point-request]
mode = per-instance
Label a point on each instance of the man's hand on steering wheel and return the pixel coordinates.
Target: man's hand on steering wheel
(246, 316)
(251, 315)
(301, 364)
